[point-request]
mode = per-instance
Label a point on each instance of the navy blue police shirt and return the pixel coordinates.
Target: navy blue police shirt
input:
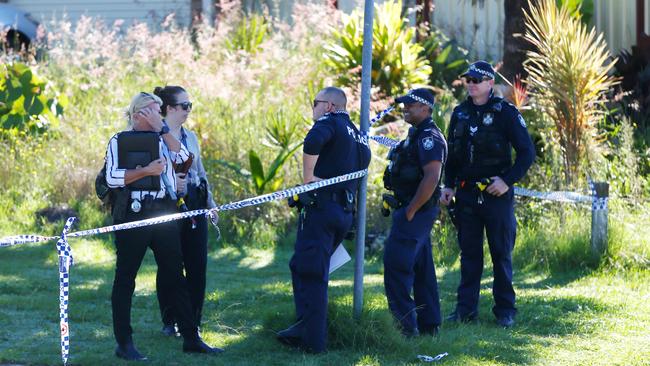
(431, 144)
(496, 112)
(340, 147)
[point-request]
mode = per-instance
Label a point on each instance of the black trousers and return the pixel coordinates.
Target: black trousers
(131, 246)
(194, 246)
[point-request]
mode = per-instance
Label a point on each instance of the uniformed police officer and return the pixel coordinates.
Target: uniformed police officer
(480, 175)
(164, 239)
(332, 147)
(413, 175)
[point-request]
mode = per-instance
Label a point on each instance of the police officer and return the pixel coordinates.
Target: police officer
(332, 147)
(131, 245)
(480, 175)
(413, 175)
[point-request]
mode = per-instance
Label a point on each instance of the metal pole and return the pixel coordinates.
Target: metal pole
(366, 67)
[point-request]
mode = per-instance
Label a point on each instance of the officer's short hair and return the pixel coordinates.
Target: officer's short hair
(336, 96)
(138, 103)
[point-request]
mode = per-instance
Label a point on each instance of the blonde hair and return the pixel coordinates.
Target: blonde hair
(138, 103)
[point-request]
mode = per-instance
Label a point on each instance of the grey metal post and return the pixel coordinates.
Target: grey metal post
(599, 218)
(366, 67)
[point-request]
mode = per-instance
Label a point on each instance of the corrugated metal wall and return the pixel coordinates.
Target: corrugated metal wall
(149, 11)
(479, 28)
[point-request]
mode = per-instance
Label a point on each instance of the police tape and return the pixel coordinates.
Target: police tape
(65, 251)
(381, 115)
(23, 239)
(598, 203)
(557, 196)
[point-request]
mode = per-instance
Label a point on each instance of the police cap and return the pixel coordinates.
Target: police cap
(420, 95)
(480, 70)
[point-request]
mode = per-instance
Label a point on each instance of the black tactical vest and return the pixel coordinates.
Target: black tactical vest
(478, 144)
(404, 173)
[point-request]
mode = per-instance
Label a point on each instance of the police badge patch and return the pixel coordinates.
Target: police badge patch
(427, 143)
(521, 121)
(488, 118)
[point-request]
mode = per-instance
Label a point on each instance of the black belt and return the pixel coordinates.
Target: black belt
(149, 203)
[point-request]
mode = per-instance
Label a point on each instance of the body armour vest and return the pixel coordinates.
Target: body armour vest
(478, 144)
(404, 173)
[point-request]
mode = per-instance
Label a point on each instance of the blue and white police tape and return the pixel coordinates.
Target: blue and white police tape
(426, 358)
(65, 252)
(65, 261)
(22, 239)
(381, 115)
(558, 196)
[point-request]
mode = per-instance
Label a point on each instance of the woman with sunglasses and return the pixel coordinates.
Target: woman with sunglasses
(194, 187)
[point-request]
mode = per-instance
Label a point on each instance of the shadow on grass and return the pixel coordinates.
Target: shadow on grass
(249, 298)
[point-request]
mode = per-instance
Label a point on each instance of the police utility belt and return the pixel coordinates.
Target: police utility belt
(321, 198)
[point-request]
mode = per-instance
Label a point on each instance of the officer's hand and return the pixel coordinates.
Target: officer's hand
(156, 167)
(446, 195)
(409, 213)
(181, 183)
(498, 187)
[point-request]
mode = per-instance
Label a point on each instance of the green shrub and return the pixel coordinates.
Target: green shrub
(27, 102)
(397, 63)
(249, 34)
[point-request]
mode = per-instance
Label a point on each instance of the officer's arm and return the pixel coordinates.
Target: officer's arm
(450, 167)
(316, 138)
(524, 149)
(426, 187)
(308, 164)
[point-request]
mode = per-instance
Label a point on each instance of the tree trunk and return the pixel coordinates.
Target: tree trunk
(514, 44)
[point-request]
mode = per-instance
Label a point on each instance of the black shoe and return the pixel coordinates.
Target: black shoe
(430, 331)
(129, 352)
(169, 330)
(410, 333)
(455, 317)
(506, 321)
(198, 346)
(291, 336)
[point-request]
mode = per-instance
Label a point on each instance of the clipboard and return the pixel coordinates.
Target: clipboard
(139, 148)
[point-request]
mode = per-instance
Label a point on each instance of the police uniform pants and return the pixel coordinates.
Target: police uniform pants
(194, 246)
(319, 231)
(408, 265)
(495, 216)
(131, 246)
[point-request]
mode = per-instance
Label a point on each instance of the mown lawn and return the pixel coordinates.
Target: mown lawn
(572, 317)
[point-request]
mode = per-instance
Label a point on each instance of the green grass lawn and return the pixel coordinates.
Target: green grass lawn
(565, 318)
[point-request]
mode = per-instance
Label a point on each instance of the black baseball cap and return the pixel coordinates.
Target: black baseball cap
(480, 70)
(420, 95)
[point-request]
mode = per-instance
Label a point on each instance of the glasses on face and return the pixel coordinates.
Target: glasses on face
(187, 106)
(316, 101)
(471, 80)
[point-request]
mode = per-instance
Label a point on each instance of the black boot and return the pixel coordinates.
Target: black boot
(291, 336)
(196, 345)
(128, 352)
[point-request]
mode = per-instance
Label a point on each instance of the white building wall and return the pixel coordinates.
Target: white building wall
(149, 11)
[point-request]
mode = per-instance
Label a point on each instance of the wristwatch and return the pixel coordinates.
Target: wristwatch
(164, 130)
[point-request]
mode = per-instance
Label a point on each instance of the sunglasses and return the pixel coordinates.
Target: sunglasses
(316, 101)
(471, 80)
(187, 106)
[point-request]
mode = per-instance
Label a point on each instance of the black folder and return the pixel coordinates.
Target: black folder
(139, 148)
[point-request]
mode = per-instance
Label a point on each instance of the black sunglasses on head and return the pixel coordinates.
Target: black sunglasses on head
(187, 106)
